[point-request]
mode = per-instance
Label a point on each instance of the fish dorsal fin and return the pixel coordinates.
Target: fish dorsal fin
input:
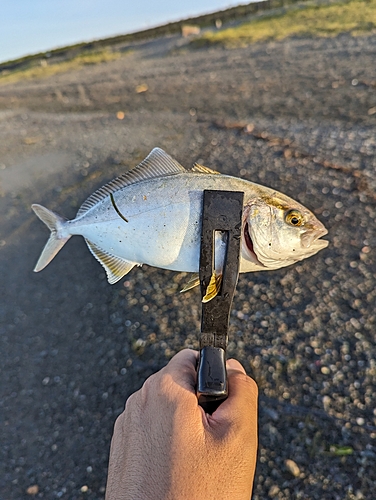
(203, 170)
(156, 164)
(115, 267)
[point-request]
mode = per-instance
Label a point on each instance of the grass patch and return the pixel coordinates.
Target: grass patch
(43, 68)
(355, 17)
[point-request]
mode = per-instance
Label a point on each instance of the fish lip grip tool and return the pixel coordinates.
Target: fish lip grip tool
(222, 212)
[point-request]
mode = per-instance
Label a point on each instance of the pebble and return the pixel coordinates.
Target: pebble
(292, 467)
(33, 490)
(143, 87)
(274, 490)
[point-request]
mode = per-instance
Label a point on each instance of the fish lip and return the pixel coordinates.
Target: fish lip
(249, 246)
(320, 244)
(311, 237)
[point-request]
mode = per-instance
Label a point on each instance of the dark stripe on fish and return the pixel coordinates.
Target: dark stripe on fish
(116, 208)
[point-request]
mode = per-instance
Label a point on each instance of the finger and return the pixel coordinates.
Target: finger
(184, 359)
(182, 368)
(233, 364)
(240, 407)
(241, 387)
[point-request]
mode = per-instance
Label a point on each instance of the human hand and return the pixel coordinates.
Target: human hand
(165, 447)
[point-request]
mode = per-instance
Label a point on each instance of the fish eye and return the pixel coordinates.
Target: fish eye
(294, 218)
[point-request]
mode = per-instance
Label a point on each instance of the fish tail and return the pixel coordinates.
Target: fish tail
(58, 236)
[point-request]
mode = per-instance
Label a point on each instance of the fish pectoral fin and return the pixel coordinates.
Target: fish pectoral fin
(115, 267)
(194, 281)
(213, 288)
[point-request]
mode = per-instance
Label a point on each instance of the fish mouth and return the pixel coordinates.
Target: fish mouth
(249, 246)
(319, 245)
(311, 238)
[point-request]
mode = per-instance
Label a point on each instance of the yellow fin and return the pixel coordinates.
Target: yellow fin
(204, 170)
(194, 281)
(115, 267)
(213, 287)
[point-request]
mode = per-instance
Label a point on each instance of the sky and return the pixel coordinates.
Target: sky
(31, 26)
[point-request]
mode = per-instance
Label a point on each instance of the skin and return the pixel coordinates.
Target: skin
(165, 447)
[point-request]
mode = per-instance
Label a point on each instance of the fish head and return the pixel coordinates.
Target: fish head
(279, 231)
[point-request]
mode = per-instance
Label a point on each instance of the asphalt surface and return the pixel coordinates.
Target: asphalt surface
(297, 115)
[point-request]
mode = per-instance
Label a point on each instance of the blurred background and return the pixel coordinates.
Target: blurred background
(279, 93)
(31, 27)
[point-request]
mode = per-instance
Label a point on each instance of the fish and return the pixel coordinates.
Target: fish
(152, 215)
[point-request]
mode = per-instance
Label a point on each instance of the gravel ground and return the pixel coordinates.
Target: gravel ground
(297, 115)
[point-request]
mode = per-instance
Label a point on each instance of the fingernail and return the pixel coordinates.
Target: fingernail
(233, 364)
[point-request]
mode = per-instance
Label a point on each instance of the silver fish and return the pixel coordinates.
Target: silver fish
(152, 215)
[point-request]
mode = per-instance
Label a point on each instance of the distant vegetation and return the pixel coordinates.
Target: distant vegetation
(325, 20)
(35, 61)
(46, 68)
(287, 18)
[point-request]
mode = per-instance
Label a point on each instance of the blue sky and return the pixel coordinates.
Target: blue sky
(30, 26)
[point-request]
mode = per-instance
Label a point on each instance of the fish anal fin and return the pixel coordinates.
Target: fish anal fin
(156, 164)
(203, 170)
(193, 281)
(213, 288)
(115, 267)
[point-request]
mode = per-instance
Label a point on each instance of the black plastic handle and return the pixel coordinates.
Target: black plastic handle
(212, 387)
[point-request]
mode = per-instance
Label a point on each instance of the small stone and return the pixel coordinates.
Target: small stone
(84, 488)
(274, 490)
(326, 402)
(287, 153)
(325, 370)
(142, 88)
(31, 140)
(292, 467)
(360, 421)
(120, 115)
(33, 490)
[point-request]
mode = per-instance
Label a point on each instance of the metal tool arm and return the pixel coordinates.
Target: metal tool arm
(222, 211)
